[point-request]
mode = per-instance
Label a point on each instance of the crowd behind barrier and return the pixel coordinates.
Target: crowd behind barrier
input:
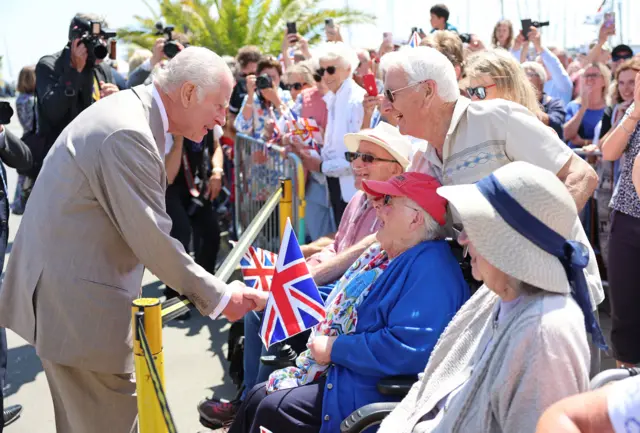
(335, 138)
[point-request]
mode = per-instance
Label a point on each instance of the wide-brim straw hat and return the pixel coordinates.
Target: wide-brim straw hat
(544, 196)
(386, 136)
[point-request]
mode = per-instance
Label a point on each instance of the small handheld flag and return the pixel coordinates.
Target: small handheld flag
(258, 266)
(415, 40)
(294, 304)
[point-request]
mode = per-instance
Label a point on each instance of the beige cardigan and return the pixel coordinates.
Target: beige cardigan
(539, 355)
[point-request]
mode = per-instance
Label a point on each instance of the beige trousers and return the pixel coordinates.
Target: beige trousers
(88, 402)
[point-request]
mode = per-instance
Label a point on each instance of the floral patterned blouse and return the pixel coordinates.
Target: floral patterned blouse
(254, 126)
(24, 107)
(625, 199)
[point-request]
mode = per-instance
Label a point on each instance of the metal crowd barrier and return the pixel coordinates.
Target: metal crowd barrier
(149, 315)
(258, 170)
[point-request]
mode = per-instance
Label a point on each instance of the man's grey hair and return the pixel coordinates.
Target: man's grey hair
(341, 53)
(537, 69)
(197, 65)
(93, 18)
(432, 229)
(425, 63)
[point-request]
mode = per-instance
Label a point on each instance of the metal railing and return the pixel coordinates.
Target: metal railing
(148, 317)
(258, 170)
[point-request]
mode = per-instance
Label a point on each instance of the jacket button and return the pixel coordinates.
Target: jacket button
(330, 386)
(327, 417)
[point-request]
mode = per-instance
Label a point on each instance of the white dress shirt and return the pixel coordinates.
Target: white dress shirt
(226, 297)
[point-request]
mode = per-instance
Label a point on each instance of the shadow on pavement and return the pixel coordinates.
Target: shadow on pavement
(23, 365)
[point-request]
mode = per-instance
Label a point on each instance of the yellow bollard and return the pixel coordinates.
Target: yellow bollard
(150, 419)
(286, 203)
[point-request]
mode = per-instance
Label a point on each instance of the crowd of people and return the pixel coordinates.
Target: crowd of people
(522, 153)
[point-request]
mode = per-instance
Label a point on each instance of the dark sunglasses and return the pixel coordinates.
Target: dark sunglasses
(297, 86)
(479, 92)
(625, 56)
(366, 157)
(390, 94)
(317, 78)
(330, 70)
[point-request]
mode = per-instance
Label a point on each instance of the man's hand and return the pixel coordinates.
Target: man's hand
(518, 44)
(304, 46)
(605, 32)
(158, 52)
(536, 38)
(475, 44)
(78, 55)
(107, 89)
(215, 185)
(258, 297)
(320, 348)
(238, 305)
(370, 103)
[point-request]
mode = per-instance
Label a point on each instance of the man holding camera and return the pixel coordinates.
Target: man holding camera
(71, 80)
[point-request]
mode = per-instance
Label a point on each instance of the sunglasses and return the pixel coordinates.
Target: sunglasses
(390, 94)
(592, 76)
(386, 201)
(366, 157)
(297, 86)
(621, 57)
(480, 92)
(330, 70)
(317, 78)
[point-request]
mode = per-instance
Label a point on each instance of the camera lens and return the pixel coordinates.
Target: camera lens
(100, 50)
(171, 49)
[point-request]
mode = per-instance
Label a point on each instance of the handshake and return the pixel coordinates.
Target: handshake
(244, 299)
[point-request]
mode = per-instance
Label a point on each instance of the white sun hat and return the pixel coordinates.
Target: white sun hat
(385, 136)
(540, 193)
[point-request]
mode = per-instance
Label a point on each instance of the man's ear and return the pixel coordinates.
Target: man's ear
(187, 94)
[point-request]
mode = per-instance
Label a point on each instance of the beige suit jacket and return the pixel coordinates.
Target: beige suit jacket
(95, 219)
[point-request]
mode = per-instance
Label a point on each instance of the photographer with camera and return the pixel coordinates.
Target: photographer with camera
(16, 154)
(71, 80)
(262, 107)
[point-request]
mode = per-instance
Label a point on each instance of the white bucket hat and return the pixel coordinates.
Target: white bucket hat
(385, 136)
(540, 193)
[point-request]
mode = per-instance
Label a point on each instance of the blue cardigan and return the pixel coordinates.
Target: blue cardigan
(399, 323)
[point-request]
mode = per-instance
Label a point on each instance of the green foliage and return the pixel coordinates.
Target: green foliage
(239, 22)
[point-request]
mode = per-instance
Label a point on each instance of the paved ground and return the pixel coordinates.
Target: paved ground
(194, 355)
(195, 363)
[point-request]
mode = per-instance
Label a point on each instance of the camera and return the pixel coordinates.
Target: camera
(171, 48)
(6, 112)
(264, 81)
(465, 37)
(528, 23)
(93, 36)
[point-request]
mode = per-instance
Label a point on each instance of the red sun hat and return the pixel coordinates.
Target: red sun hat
(418, 187)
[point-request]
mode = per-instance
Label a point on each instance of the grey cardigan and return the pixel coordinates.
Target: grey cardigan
(539, 354)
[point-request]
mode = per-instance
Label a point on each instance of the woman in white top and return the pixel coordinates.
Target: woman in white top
(519, 344)
(344, 104)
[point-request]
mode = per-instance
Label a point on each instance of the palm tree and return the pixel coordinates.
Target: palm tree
(225, 26)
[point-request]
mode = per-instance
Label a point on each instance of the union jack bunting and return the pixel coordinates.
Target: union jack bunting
(294, 303)
(258, 266)
(415, 40)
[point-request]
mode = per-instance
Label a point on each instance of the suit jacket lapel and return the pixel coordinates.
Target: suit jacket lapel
(153, 114)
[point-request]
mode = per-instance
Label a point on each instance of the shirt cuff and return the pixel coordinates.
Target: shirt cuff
(146, 65)
(226, 297)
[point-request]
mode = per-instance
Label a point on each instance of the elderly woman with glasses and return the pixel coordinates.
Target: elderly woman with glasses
(520, 343)
(383, 318)
(337, 62)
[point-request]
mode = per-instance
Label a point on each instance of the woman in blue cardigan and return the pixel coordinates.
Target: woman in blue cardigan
(383, 318)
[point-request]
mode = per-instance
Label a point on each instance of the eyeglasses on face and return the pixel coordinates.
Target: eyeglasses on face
(592, 76)
(366, 157)
(390, 94)
(330, 70)
(480, 92)
(386, 201)
(297, 86)
(317, 78)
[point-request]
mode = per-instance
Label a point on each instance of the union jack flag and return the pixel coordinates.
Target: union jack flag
(258, 266)
(264, 430)
(415, 40)
(294, 303)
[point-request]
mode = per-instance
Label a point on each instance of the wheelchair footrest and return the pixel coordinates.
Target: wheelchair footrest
(366, 417)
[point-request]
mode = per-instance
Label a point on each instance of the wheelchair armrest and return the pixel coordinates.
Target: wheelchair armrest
(366, 416)
(396, 385)
(286, 357)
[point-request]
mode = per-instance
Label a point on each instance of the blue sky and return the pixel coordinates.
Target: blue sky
(32, 28)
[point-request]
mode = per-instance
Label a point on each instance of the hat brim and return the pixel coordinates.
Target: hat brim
(501, 245)
(352, 141)
(379, 188)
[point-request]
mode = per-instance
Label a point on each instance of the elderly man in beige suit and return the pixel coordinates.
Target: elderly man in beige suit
(96, 218)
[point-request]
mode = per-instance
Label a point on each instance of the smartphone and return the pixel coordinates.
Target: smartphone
(370, 85)
(526, 26)
(387, 37)
(328, 22)
(292, 28)
(609, 19)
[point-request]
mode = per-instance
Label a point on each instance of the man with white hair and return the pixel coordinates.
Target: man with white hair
(554, 112)
(95, 220)
(469, 140)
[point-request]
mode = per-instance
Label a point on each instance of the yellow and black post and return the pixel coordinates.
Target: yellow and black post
(286, 203)
(147, 312)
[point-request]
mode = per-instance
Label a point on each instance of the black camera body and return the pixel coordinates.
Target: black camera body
(93, 36)
(264, 81)
(528, 23)
(171, 48)
(465, 37)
